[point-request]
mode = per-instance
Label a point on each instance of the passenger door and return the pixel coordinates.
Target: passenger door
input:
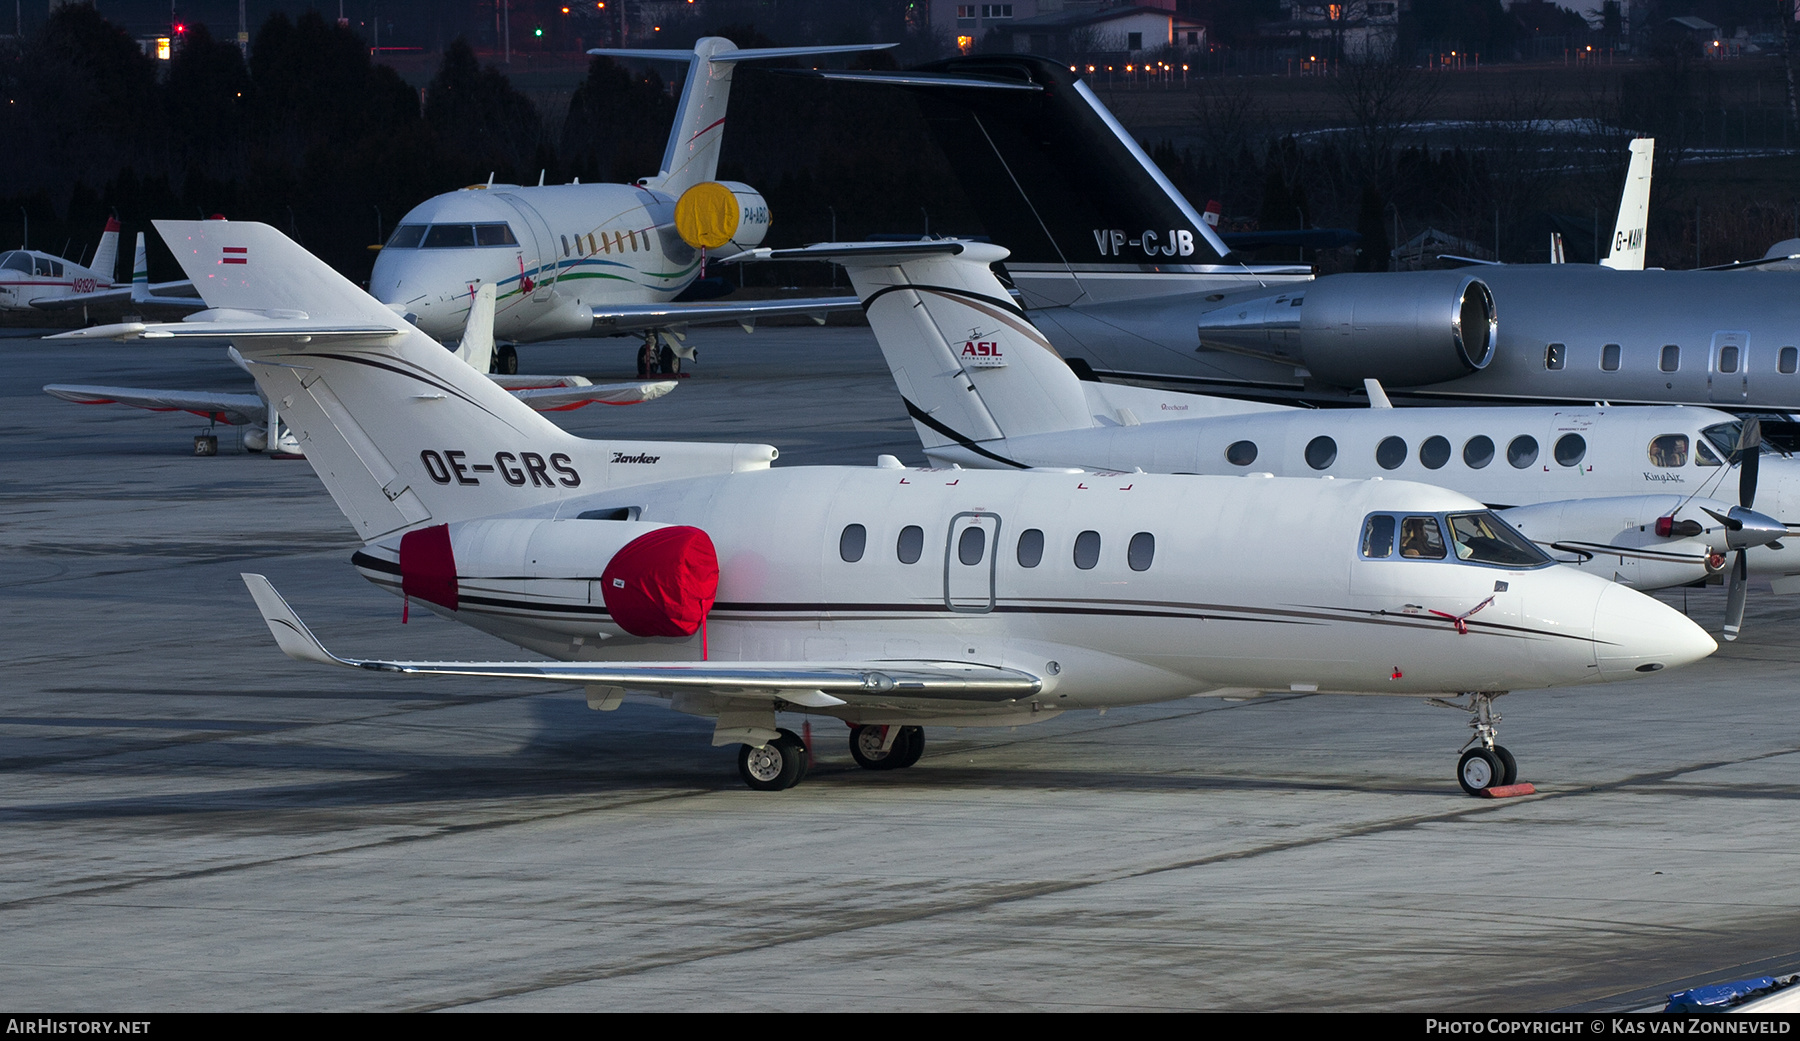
(971, 555)
(1727, 368)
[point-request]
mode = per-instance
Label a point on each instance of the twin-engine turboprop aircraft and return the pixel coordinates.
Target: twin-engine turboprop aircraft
(597, 259)
(261, 417)
(887, 597)
(1651, 496)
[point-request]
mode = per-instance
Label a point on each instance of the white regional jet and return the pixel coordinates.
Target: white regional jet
(1635, 494)
(698, 573)
(259, 416)
(597, 259)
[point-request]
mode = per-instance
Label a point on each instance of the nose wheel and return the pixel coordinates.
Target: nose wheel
(1486, 764)
(506, 360)
(780, 764)
(886, 747)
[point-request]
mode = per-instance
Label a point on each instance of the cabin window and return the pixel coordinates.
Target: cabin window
(1703, 456)
(1087, 550)
(1671, 358)
(1789, 360)
(48, 268)
(449, 236)
(1669, 450)
(1241, 453)
(1570, 449)
(910, 546)
(1031, 547)
(1321, 452)
(971, 545)
(494, 235)
(407, 236)
(1478, 451)
(852, 542)
(1482, 538)
(1435, 452)
(1609, 357)
(565, 242)
(1390, 453)
(1554, 356)
(1728, 358)
(1378, 537)
(1421, 538)
(1522, 452)
(1141, 551)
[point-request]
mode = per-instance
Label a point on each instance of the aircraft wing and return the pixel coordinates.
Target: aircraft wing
(567, 397)
(122, 300)
(620, 318)
(232, 409)
(809, 683)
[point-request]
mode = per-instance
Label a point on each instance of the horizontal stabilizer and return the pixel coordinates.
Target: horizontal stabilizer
(945, 80)
(628, 317)
(869, 252)
(736, 54)
(562, 399)
(886, 680)
(287, 329)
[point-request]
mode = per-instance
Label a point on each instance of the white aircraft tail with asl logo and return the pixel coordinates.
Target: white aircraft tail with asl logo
(1627, 253)
(401, 431)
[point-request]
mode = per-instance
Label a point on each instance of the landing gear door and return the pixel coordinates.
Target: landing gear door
(537, 249)
(971, 556)
(1728, 369)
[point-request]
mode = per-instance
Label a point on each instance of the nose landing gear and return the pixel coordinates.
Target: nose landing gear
(1487, 764)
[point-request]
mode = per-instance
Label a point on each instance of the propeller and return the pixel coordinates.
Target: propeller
(1744, 524)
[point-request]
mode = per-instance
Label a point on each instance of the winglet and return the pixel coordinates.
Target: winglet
(1377, 396)
(477, 346)
(295, 639)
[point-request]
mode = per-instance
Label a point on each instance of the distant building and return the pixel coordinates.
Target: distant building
(1070, 28)
(1352, 29)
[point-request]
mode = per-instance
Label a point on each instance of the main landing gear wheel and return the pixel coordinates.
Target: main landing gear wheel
(668, 362)
(1509, 767)
(866, 742)
(506, 360)
(775, 766)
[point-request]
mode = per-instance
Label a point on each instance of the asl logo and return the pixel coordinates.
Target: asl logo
(983, 354)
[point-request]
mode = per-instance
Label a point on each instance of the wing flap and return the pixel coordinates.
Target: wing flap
(799, 682)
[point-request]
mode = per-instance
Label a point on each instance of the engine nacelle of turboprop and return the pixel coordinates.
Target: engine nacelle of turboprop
(1403, 329)
(1619, 538)
(651, 579)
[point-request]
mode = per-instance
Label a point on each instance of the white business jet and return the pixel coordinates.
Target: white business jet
(887, 597)
(597, 259)
(1636, 494)
(258, 416)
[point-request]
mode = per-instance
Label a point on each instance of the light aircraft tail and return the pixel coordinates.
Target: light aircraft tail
(106, 255)
(1627, 253)
(402, 433)
(140, 272)
(477, 347)
(692, 155)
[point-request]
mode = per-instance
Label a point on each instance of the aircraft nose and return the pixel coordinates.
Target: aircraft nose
(1635, 634)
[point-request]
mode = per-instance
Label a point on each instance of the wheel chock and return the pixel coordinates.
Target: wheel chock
(1508, 791)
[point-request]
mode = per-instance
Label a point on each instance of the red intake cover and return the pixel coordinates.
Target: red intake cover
(427, 568)
(662, 583)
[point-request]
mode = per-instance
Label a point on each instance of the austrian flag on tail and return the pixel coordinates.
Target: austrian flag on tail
(235, 255)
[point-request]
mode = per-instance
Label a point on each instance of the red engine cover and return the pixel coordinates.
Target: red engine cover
(662, 583)
(427, 567)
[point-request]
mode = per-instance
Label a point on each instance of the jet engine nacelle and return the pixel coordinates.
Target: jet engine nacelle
(1405, 329)
(650, 579)
(753, 218)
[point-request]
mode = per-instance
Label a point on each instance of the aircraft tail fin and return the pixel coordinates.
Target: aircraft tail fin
(969, 364)
(140, 272)
(106, 255)
(477, 347)
(402, 433)
(692, 154)
(1627, 253)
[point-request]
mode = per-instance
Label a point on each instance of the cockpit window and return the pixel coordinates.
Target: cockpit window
(494, 235)
(1724, 436)
(1378, 537)
(16, 261)
(1703, 456)
(406, 236)
(1482, 538)
(1669, 450)
(448, 236)
(1421, 538)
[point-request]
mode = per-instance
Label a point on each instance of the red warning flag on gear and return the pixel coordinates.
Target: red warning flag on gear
(662, 583)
